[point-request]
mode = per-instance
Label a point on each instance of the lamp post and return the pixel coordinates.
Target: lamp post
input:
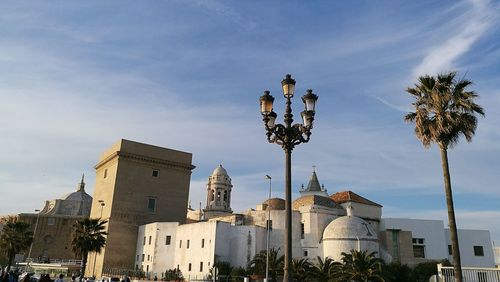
(34, 233)
(288, 136)
(101, 202)
(268, 223)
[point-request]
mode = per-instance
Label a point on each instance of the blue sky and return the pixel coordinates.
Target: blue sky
(77, 76)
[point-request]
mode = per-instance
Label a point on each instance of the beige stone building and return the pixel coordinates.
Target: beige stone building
(52, 227)
(138, 184)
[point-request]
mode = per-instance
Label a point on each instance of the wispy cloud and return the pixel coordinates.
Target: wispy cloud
(458, 39)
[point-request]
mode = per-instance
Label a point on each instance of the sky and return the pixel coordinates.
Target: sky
(75, 77)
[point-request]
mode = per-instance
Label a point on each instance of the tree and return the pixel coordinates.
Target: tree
(326, 270)
(276, 263)
(14, 239)
(361, 266)
(444, 111)
(88, 236)
(301, 269)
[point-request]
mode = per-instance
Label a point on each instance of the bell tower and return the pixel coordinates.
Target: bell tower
(218, 194)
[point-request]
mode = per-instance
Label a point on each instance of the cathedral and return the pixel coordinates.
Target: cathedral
(323, 226)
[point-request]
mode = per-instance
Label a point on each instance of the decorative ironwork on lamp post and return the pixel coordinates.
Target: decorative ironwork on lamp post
(288, 135)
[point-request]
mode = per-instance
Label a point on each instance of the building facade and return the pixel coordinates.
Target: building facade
(138, 184)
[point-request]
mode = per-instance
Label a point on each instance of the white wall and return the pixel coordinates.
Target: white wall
(432, 231)
(467, 239)
(496, 253)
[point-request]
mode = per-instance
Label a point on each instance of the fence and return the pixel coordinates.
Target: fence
(470, 274)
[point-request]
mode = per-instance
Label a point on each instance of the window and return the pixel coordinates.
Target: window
(269, 224)
(201, 266)
(51, 221)
(147, 268)
(302, 231)
(156, 173)
(137, 257)
(143, 255)
(144, 241)
(187, 246)
(305, 253)
(418, 248)
(149, 243)
(189, 267)
(203, 243)
(395, 245)
(148, 257)
(167, 241)
(450, 250)
(478, 251)
(105, 173)
(180, 244)
(151, 204)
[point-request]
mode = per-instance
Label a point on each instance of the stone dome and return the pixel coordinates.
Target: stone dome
(311, 200)
(348, 233)
(80, 196)
(219, 171)
(274, 204)
(349, 227)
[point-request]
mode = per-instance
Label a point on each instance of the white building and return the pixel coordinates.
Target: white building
(323, 226)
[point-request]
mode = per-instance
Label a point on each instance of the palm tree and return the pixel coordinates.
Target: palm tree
(444, 111)
(301, 269)
(326, 270)
(15, 238)
(88, 236)
(361, 266)
(258, 263)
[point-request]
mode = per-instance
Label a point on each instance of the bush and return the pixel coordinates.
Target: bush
(173, 275)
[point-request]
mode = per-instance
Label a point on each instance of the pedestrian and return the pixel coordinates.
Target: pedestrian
(60, 278)
(27, 277)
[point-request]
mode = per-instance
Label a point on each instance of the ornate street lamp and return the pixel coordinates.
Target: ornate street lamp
(288, 136)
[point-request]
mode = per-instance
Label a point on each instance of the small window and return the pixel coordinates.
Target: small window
(149, 240)
(144, 241)
(51, 221)
(189, 267)
(180, 244)
(105, 173)
(151, 204)
(201, 266)
(147, 268)
(302, 231)
(478, 251)
(203, 243)
(137, 257)
(305, 253)
(450, 250)
(418, 247)
(269, 224)
(148, 257)
(156, 173)
(187, 245)
(167, 241)
(143, 255)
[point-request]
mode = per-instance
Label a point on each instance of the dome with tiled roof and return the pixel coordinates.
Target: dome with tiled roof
(77, 203)
(274, 204)
(314, 200)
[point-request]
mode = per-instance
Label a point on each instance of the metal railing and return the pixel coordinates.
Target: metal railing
(470, 274)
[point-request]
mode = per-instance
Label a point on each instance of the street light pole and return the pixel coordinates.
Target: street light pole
(95, 254)
(288, 136)
(268, 241)
(34, 233)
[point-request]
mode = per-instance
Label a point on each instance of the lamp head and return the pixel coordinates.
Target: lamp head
(288, 85)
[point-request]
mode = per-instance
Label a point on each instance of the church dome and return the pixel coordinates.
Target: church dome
(219, 171)
(80, 196)
(274, 204)
(348, 228)
(348, 233)
(316, 200)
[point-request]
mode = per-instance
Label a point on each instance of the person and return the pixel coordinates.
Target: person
(27, 277)
(60, 278)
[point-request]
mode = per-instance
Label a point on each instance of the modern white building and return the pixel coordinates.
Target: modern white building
(322, 225)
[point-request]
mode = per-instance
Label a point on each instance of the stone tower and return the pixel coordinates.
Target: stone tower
(313, 187)
(137, 184)
(218, 194)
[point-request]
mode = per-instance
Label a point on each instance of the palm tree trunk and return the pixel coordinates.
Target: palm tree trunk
(457, 266)
(83, 265)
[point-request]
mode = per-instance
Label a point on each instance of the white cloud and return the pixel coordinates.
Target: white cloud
(457, 39)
